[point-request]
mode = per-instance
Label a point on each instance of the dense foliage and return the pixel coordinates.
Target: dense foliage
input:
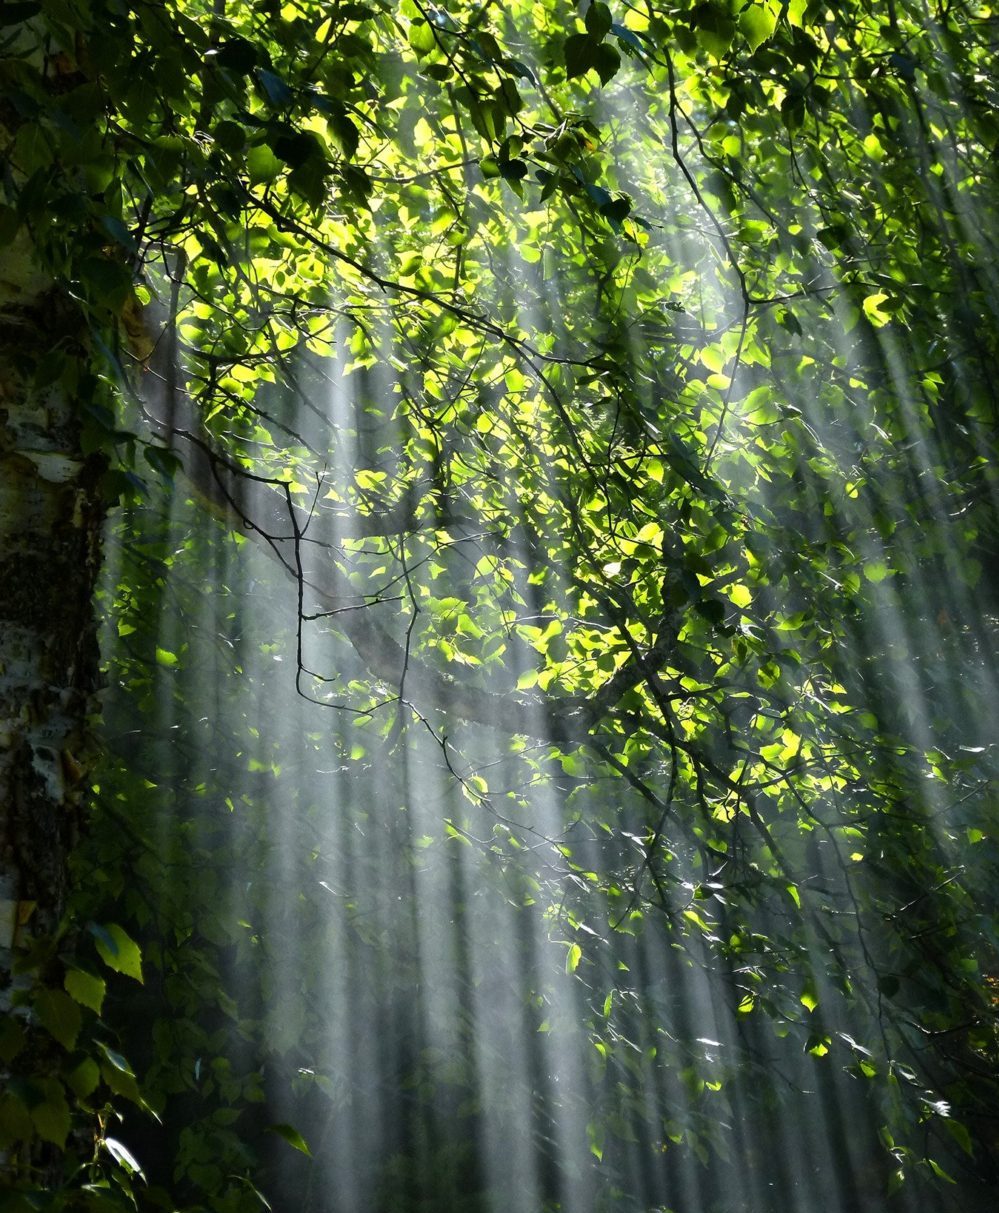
(612, 391)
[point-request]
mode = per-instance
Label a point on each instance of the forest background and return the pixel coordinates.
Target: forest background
(499, 581)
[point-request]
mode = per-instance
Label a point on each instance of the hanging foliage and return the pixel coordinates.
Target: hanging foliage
(554, 451)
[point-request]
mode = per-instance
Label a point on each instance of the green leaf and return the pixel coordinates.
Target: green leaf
(873, 310)
(12, 1038)
(83, 1078)
(573, 957)
(960, 1134)
(715, 27)
(298, 148)
(122, 1083)
(117, 949)
(422, 38)
(596, 1134)
(876, 571)
(616, 210)
(758, 22)
(809, 999)
(15, 1120)
(262, 165)
(165, 462)
(123, 1156)
(357, 184)
(792, 111)
(51, 1118)
(229, 135)
(788, 320)
(599, 195)
(276, 91)
(712, 609)
(115, 1059)
(580, 55)
(106, 282)
(238, 55)
(512, 170)
(598, 19)
(345, 132)
(32, 148)
(85, 988)
(939, 1172)
(628, 37)
(59, 1015)
(607, 61)
(292, 1136)
(310, 180)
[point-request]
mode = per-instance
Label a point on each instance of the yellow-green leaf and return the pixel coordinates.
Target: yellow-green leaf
(86, 989)
(117, 949)
(758, 23)
(873, 310)
(292, 1136)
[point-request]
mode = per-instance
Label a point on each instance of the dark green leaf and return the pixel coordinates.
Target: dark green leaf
(607, 61)
(276, 91)
(712, 610)
(616, 209)
(59, 1015)
(580, 54)
(106, 283)
(84, 1077)
(598, 19)
(229, 135)
(51, 1118)
(512, 170)
(239, 55)
(12, 1039)
(297, 148)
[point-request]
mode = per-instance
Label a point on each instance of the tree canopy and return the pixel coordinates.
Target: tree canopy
(550, 603)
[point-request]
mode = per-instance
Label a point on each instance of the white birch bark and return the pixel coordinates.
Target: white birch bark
(51, 514)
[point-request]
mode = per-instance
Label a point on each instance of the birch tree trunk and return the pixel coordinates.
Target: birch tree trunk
(51, 515)
(51, 509)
